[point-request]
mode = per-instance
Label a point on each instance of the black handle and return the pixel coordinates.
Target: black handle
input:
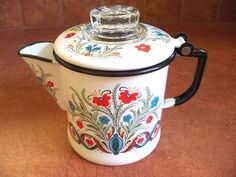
(187, 49)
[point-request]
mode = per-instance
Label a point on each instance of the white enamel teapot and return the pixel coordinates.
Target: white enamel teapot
(110, 77)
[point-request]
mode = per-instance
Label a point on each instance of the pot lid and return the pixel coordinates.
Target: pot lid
(115, 41)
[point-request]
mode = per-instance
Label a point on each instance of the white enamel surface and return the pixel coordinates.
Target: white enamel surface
(129, 57)
(156, 81)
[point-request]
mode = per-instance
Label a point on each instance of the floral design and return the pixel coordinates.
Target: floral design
(93, 48)
(89, 141)
(104, 120)
(127, 97)
(80, 47)
(154, 102)
(140, 140)
(72, 106)
(143, 47)
(127, 118)
(149, 119)
(50, 84)
(157, 34)
(156, 130)
(69, 35)
(43, 79)
(102, 100)
(116, 123)
(79, 124)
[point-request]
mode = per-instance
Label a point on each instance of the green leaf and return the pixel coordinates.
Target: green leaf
(128, 141)
(127, 128)
(114, 96)
(47, 75)
(90, 114)
(104, 144)
(119, 129)
(121, 112)
(156, 114)
(138, 112)
(100, 136)
(137, 126)
(95, 115)
(148, 92)
(85, 120)
(82, 107)
(93, 127)
(132, 121)
(112, 130)
(94, 109)
(73, 99)
(130, 136)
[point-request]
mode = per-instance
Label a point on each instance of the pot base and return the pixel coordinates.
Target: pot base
(101, 158)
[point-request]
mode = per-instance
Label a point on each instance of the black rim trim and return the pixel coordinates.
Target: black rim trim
(33, 56)
(115, 73)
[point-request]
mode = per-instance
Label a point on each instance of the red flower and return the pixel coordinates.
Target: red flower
(127, 97)
(143, 47)
(89, 142)
(108, 135)
(140, 140)
(79, 124)
(50, 84)
(123, 135)
(149, 119)
(156, 130)
(69, 35)
(102, 101)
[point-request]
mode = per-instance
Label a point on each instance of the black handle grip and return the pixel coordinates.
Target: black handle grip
(187, 49)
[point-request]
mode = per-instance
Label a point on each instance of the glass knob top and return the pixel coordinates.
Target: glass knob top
(116, 21)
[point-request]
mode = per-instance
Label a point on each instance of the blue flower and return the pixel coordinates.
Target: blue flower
(93, 48)
(158, 33)
(72, 106)
(154, 102)
(104, 119)
(127, 118)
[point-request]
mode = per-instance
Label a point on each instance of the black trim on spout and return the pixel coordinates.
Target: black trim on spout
(34, 56)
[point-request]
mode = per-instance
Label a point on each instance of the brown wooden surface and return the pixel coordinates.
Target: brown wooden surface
(18, 14)
(198, 138)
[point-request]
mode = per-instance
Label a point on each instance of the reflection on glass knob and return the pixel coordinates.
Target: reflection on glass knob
(117, 20)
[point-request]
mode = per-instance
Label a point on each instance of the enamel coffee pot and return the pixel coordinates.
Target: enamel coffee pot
(110, 77)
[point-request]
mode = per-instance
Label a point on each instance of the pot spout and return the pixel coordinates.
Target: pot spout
(39, 57)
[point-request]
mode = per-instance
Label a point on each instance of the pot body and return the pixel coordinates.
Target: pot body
(114, 120)
(111, 120)
(110, 78)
